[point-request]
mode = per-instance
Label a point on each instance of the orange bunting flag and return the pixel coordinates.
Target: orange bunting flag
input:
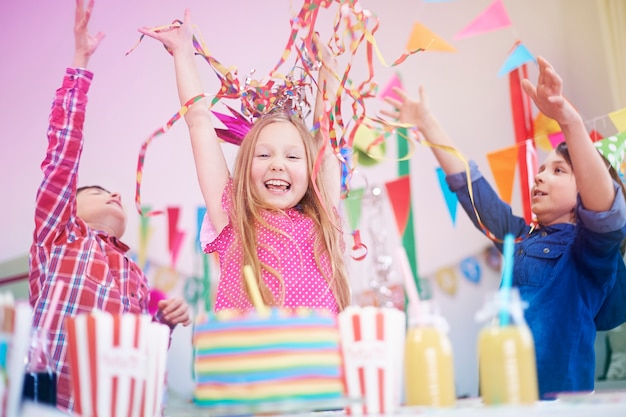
(503, 164)
(492, 18)
(399, 194)
(424, 38)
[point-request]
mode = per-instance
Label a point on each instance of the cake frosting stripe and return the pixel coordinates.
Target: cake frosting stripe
(249, 359)
(267, 361)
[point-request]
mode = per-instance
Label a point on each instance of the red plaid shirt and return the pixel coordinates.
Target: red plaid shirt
(93, 266)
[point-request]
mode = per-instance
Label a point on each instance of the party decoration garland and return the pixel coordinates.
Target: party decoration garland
(279, 91)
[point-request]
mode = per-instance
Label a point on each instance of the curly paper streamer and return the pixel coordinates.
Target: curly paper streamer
(144, 147)
(257, 98)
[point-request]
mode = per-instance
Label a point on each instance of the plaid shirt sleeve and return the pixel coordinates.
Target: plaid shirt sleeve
(55, 202)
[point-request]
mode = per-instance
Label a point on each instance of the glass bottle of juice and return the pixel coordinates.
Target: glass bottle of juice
(40, 380)
(429, 369)
(506, 353)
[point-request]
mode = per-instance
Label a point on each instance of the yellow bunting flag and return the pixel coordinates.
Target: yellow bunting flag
(619, 119)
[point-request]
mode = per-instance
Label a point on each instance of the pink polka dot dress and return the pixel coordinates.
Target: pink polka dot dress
(291, 254)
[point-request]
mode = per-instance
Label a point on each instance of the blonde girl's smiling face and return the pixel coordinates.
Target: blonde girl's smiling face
(279, 172)
(554, 192)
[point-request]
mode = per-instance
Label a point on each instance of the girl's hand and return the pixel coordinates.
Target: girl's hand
(174, 311)
(175, 37)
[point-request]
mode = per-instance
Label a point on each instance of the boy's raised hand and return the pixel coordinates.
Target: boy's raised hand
(547, 94)
(85, 43)
(408, 110)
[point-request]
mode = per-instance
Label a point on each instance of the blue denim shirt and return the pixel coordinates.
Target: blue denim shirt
(565, 272)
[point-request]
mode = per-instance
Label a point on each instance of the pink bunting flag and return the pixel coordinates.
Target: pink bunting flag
(492, 18)
(388, 90)
(556, 138)
(175, 238)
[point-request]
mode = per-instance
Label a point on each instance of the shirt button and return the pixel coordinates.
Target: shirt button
(520, 252)
(546, 250)
(132, 294)
(544, 234)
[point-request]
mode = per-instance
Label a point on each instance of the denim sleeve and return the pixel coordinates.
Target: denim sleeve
(483, 206)
(606, 221)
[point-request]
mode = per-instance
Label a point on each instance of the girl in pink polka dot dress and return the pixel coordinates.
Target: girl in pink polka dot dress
(268, 214)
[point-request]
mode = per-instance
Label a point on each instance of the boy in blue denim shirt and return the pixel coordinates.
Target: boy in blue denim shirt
(568, 267)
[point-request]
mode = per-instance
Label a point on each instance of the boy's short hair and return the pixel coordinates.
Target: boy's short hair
(88, 187)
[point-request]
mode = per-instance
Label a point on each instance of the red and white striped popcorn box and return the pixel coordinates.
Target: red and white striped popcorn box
(372, 341)
(117, 364)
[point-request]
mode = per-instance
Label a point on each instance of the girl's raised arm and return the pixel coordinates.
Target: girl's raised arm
(211, 167)
(331, 168)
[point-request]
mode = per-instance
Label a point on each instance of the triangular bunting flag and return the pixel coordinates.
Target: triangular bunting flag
(424, 38)
(492, 18)
(449, 196)
(399, 194)
(503, 164)
(388, 90)
(145, 232)
(175, 236)
(199, 220)
(595, 135)
(613, 148)
(619, 119)
(518, 57)
(368, 147)
(556, 138)
(353, 203)
(544, 126)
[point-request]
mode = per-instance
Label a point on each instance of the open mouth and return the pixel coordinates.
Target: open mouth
(277, 185)
(538, 193)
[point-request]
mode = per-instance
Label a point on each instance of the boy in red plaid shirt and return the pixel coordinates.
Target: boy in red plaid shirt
(77, 230)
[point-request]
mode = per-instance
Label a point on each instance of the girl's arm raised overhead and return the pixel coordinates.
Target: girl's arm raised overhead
(331, 168)
(211, 166)
(593, 180)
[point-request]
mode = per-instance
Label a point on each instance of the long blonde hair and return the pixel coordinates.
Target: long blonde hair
(247, 209)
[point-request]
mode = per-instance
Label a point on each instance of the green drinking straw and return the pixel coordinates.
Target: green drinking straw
(507, 279)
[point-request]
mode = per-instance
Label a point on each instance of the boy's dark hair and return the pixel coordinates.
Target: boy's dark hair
(562, 150)
(88, 187)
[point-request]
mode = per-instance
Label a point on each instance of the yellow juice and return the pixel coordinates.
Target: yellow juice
(429, 371)
(507, 368)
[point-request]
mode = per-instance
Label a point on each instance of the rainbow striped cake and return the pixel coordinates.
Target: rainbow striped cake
(247, 359)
